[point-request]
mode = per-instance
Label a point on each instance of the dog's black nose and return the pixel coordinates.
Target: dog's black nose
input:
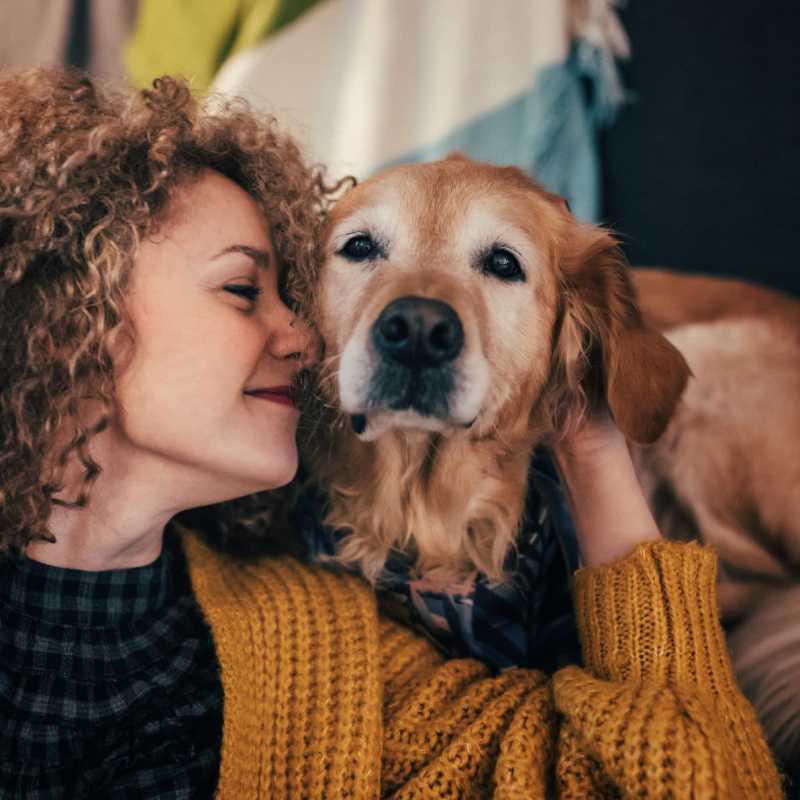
(416, 330)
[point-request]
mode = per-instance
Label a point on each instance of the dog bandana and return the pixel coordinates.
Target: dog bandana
(524, 621)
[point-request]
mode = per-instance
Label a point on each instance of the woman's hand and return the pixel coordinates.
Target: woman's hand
(608, 507)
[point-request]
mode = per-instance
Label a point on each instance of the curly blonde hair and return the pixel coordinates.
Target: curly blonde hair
(85, 174)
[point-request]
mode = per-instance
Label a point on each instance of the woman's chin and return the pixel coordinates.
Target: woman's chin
(217, 481)
(278, 471)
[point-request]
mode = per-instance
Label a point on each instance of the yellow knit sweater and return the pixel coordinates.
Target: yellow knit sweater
(325, 699)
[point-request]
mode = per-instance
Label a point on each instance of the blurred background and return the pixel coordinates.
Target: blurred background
(673, 121)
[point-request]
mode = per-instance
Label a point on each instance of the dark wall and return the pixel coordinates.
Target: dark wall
(702, 170)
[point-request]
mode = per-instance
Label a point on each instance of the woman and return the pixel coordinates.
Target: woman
(147, 365)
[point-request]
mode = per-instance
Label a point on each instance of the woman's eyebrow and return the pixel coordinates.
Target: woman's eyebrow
(262, 258)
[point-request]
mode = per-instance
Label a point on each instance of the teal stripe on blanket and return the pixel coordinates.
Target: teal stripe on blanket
(548, 131)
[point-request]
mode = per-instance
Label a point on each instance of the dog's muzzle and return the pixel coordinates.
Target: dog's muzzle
(417, 341)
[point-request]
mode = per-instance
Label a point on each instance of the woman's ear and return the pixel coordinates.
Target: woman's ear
(603, 350)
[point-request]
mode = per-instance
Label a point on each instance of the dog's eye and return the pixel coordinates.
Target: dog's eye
(504, 265)
(360, 248)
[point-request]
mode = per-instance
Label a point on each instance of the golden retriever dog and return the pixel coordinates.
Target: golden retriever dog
(468, 317)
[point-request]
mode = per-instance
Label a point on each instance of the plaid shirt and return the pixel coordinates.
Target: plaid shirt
(109, 683)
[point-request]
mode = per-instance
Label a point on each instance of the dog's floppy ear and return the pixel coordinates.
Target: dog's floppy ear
(603, 349)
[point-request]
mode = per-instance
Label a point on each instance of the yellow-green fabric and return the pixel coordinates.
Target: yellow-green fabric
(192, 39)
(326, 699)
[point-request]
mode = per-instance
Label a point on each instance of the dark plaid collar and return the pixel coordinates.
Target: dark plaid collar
(86, 599)
(109, 684)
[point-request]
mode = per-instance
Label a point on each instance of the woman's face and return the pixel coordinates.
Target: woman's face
(205, 400)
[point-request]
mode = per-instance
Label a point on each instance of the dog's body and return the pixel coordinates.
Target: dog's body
(468, 318)
(728, 467)
(727, 470)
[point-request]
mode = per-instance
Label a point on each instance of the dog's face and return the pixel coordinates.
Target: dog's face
(462, 298)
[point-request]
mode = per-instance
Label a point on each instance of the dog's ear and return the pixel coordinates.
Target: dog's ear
(602, 348)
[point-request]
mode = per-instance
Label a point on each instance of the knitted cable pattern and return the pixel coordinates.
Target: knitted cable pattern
(325, 700)
(657, 703)
(299, 656)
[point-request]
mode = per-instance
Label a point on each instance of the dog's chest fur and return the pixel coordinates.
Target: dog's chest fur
(446, 494)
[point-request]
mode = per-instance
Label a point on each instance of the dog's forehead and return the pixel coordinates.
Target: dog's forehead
(374, 200)
(438, 201)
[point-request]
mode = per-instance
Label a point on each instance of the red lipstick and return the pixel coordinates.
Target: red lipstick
(284, 395)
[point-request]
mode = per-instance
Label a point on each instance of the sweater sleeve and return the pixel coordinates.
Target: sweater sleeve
(655, 712)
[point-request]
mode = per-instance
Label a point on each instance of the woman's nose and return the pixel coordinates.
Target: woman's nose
(292, 337)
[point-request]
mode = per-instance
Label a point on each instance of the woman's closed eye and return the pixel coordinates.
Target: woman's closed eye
(246, 290)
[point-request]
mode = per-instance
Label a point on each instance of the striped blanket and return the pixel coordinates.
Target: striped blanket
(368, 83)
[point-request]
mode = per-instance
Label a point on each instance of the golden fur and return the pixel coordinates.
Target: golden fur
(727, 469)
(551, 347)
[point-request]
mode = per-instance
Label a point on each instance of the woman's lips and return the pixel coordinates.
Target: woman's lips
(285, 395)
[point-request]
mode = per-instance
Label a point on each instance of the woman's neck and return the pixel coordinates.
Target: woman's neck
(123, 524)
(94, 539)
